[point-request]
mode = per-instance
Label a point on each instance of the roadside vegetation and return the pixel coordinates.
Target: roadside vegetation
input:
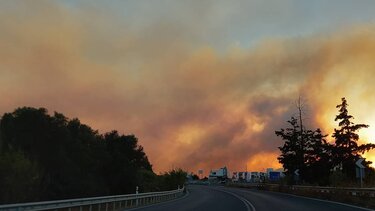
(50, 157)
(319, 162)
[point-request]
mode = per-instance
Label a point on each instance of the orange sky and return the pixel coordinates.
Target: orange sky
(192, 104)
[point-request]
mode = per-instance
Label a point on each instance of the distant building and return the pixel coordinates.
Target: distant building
(218, 174)
(274, 175)
(247, 176)
(244, 176)
(235, 177)
(268, 170)
(257, 177)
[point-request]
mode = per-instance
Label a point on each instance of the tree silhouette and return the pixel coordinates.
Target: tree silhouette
(318, 162)
(174, 178)
(346, 151)
(46, 157)
(307, 151)
(291, 154)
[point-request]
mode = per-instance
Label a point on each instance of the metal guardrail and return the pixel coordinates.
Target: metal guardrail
(104, 203)
(352, 191)
(370, 192)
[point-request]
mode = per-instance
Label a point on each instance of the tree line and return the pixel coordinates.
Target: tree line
(308, 157)
(49, 157)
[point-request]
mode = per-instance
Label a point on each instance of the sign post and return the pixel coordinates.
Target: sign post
(360, 170)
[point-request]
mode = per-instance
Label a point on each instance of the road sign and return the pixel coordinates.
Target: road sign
(296, 172)
(359, 163)
(360, 172)
(274, 175)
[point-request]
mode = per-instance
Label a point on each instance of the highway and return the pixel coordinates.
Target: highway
(219, 198)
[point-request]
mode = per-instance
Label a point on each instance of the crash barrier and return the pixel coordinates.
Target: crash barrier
(368, 192)
(104, 203)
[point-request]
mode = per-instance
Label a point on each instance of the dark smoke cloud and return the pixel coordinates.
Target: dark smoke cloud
(191, 105)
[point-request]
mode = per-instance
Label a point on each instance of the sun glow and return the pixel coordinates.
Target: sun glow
(368, 136)
(263, 160)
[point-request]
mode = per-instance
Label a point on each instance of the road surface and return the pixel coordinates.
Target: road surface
(218, 198)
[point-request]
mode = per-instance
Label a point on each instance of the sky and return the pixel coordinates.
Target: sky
(202, 84)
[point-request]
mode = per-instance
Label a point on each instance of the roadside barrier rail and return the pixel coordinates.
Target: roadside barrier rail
(104, 203)
(368, 192)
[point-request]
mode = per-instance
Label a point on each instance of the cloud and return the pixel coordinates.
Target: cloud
(189, 103)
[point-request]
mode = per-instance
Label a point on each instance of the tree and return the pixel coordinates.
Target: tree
(291, 154)
(194, 176)
(47, 157)
(19, 178)
(304, 150)
(346, 150)
(307, 151)
(173, 179)
(317, 157)
(126, 160)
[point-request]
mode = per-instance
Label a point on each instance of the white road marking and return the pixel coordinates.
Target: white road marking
(315, 199)
(332, 202)
(249, 206)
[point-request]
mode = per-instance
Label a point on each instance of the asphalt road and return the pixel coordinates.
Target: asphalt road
(217, 198)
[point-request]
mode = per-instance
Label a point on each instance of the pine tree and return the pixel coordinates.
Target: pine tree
(291, 152)
(346, 150)
(307, 151)
(318, 161)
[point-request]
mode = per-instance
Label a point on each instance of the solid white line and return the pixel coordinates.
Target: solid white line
(333, 202)
(321, 200)
(248, 204)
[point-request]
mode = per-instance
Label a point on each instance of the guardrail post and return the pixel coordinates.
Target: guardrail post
(136, 192)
